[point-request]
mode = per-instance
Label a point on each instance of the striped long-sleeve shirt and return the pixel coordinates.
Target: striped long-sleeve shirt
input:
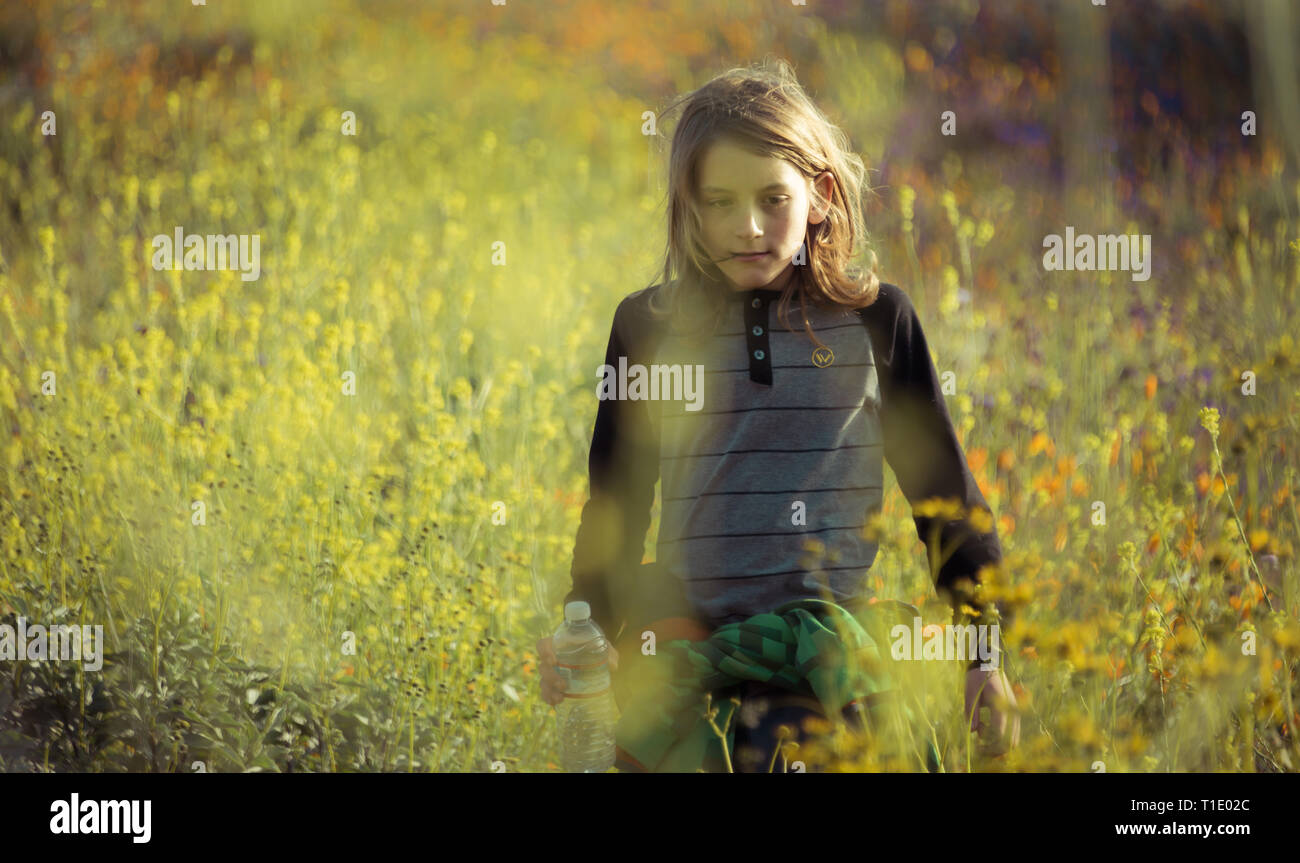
(772, 464)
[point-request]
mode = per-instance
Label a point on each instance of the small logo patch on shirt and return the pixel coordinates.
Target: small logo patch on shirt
(823, 357)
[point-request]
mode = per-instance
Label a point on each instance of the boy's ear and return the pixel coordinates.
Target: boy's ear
(824, 183)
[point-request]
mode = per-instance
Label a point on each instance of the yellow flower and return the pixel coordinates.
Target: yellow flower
(461, 389)
(946, 509)
(1287, 637)
(906, 197)
(46, 237)
(981, 520)
(1210, 421)
(949, 201)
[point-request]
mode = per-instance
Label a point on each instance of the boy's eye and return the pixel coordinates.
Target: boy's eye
(778, 199)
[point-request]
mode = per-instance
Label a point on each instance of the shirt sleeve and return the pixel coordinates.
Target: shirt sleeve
(623, 467)
(921, 447)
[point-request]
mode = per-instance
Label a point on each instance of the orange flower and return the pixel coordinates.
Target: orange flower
(1202, 482)
(1079, 487)
(1114, 451)
(1006, 459)
(1153, 543)
(976, 458)
(1006, 525)
(1039, 442)
(917, 58)
(1151, 387)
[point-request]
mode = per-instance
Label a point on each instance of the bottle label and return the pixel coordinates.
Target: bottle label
(586, 680)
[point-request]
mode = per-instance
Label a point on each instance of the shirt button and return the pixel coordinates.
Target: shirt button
(758, 331)
(757, 302)
(758, 355)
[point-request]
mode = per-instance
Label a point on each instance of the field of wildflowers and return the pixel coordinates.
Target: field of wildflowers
(324, 515)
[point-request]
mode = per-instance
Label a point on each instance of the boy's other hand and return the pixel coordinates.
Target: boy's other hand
(991, 689)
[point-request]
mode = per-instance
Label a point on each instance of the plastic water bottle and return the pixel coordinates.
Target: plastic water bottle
(587, 714)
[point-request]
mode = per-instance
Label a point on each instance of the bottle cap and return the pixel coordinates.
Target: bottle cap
(577, 612)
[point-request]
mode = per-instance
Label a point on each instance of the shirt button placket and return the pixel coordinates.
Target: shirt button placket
(760, 354)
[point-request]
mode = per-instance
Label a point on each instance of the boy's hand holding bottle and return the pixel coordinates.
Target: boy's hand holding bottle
(553, 684)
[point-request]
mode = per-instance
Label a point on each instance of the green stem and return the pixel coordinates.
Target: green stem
(1250, 555)
(722, 735)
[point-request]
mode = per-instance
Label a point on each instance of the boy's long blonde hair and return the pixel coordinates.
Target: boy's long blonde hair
(764, 108)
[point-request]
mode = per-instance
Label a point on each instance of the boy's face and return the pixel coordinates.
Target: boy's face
(751, 203)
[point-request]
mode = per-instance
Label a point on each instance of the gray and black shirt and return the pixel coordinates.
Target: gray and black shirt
(770, 454)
